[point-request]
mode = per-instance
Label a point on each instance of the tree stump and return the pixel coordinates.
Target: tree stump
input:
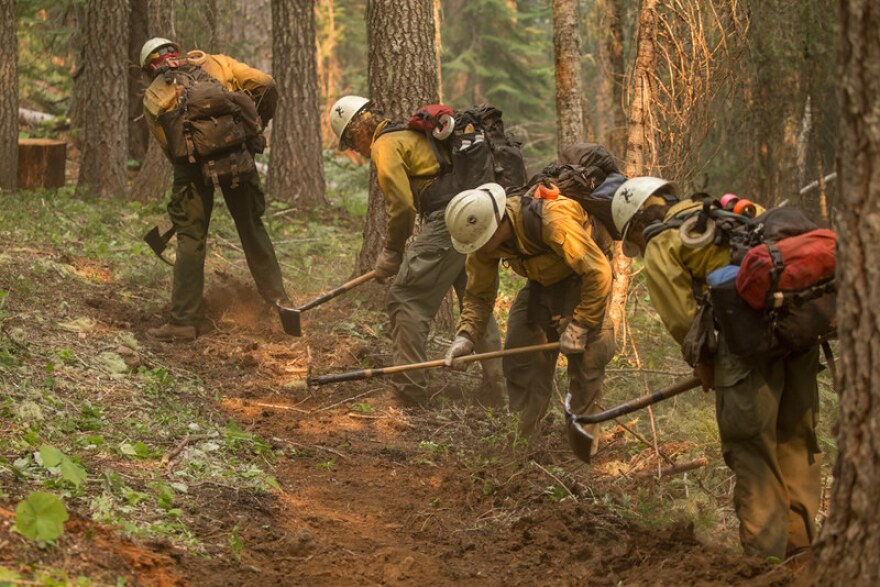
(41, 163)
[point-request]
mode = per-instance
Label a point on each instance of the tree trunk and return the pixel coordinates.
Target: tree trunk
(849, 546)
(103, 87)
(139, 32)
(296, 164)
(613, 74)
(329, 70)
(152, 180)
(402, 74)
(9, 97)
(636, 146)
(41, 163)
(569, 88)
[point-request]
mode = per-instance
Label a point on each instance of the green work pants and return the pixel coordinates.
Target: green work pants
(534, 318)
(192, 201)
(767, 411)
(429, 269)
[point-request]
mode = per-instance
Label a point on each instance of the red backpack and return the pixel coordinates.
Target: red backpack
(770, 272)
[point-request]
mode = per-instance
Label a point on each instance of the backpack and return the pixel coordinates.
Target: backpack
(779, 291)
(211, 126)
(587, 173)
(474, 151)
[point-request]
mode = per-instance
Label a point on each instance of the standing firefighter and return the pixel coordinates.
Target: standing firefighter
(406, 166)
(565, 298)
(207, 112)
(766, 404)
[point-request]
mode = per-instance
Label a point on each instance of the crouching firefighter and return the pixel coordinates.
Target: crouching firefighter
(407, 168)
(207, 112)
(766, 404)
(549, 240)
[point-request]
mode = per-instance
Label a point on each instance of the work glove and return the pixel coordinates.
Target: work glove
(460, 347)
(387, 264)
(706, 373)
(573, 339)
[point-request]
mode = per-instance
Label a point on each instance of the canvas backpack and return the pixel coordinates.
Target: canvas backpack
(779, 290)
(476, 151)
(211, 126)
(591, 179)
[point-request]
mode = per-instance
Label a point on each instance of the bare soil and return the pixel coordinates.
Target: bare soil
(362, 501)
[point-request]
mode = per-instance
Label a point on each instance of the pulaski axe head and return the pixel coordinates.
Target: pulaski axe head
(290, 319)
(159, 242)
(580, 441)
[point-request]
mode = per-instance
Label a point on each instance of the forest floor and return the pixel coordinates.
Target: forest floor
(207, 464)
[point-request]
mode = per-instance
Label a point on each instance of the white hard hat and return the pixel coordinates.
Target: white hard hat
(630, 196)
(473, 216)
(344, 110)
(152, 45)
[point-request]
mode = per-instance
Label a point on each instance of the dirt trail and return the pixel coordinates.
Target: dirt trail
(377, 495)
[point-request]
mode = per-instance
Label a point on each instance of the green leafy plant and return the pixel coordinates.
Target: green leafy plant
(362, 407)
(51, 458)
(40, 516)
(236, 544)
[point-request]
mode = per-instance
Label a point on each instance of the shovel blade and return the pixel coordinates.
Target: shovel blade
(154, 240)
(290, 319)
(579, 440)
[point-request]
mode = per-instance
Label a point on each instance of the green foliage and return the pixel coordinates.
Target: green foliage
(236, 544)
(502, 53)
(51, 458)
(48, 36)
(40, 517)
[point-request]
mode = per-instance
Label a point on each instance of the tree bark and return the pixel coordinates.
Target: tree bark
(610, 54)
(402, 76)
(329, 71)
(139, 32)
(636, 145)
(151, 182)
(41, 163)
(296, 164)
(849, 546)
(103, 87)
(9, 97)
(569, 87)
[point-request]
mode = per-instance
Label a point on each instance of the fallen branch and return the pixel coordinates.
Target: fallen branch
(168, 460)
(281, 407)
(557, 479)
(675, 469)
(814, 184)
(350, 399)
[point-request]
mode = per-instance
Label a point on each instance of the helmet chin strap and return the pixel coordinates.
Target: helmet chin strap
(498, 216)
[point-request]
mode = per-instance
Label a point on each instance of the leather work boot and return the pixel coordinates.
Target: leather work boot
(173, 333)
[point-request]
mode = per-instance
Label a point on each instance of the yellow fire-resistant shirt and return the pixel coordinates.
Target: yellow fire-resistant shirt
(161, 95)
(670, 269)
(398, 156)
(566, 230)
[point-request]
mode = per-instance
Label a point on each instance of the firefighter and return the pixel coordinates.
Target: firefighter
(192, 197)
(425, 270)
(766, 406)
(565, 298)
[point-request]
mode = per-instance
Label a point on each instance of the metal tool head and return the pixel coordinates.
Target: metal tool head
(290, 319)
(159, 242)
(580, 441)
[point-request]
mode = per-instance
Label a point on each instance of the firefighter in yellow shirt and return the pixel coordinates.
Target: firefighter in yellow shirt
(565, 298)
(192, 197)
(425, 270)
(766, 406)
